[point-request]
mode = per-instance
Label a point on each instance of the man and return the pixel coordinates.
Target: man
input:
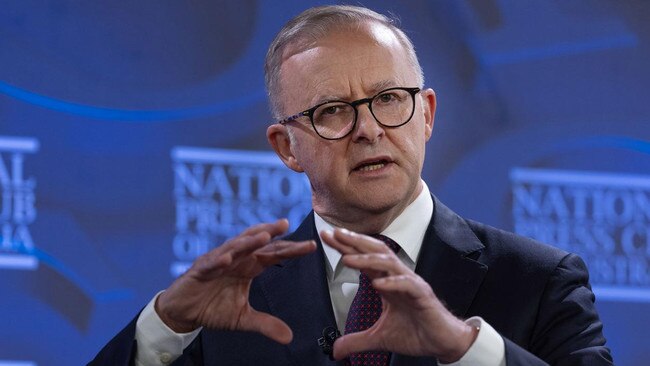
(359, 119)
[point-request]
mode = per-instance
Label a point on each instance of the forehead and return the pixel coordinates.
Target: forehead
(346, 63)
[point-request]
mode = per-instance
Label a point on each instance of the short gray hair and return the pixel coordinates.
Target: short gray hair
(314, 24)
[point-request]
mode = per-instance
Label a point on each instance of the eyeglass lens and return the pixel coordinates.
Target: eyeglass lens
(336, 119)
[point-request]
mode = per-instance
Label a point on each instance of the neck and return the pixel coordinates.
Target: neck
(363, 220)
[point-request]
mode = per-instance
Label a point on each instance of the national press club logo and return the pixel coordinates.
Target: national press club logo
(219, 193)
(603, 217)
(17, 204)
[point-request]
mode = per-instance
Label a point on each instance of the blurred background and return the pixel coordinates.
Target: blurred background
(132, 140)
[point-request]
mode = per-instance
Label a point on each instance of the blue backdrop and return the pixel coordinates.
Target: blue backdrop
(132, 140)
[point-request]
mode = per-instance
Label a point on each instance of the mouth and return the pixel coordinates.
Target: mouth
(371, 165)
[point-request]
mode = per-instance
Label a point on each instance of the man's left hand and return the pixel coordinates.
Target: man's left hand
(413, 320)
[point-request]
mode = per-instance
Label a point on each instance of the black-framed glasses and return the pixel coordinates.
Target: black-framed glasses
(335, 119)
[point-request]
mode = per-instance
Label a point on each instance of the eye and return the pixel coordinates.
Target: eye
(330, 109)
(386, 97)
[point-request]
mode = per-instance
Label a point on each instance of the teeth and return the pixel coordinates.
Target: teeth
(371, 167)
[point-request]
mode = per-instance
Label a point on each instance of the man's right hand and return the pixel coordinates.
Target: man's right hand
(213, 293)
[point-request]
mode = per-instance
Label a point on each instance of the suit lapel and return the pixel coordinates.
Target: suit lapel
(446, 263)
(446, 260)
(297, 292)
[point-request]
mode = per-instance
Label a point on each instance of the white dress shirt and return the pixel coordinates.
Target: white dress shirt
(159, 345)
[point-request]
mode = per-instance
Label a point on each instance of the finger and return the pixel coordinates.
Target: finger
(269, 326)
(235, 248)
(328, 238)
(280, 250)
(272, 228)
(241, 243)
(361, 243)
(354, 343)
(245, 245)
(380, 263)
(248, 241)
(224, 255)
(402, 287)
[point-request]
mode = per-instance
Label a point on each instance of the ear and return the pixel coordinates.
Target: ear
(278, 137)
(429, 109)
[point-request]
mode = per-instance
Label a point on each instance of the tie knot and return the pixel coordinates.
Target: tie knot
(388, 241)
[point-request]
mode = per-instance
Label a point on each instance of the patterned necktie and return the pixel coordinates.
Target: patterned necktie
(364, 312)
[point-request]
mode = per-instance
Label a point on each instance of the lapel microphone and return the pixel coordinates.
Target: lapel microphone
(326, 342)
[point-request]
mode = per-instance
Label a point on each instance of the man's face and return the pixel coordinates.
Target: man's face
(374, 170)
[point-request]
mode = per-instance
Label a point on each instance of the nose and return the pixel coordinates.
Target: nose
(367, 129)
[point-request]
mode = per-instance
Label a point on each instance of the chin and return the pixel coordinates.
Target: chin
(378, 203)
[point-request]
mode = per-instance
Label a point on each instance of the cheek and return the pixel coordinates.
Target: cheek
(327, 165)
(315, 161)
(413, 147)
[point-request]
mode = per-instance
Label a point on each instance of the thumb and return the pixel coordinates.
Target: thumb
(353, 343)
(269, 326)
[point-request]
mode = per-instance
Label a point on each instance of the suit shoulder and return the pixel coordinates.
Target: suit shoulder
(506, 247)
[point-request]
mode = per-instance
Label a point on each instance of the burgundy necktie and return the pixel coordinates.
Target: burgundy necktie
(364, 312)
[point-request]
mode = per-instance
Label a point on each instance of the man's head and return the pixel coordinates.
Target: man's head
(313, 24)
(365, 179)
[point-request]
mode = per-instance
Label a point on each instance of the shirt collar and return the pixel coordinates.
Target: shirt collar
(407, 229)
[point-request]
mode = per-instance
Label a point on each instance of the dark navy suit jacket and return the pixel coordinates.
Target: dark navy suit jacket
(536, 296)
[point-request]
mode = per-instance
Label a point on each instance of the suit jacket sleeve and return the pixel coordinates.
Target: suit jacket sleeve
(567, 330)
(121, 350)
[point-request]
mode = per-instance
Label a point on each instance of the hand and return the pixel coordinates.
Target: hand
(214, 292)
(413, 321)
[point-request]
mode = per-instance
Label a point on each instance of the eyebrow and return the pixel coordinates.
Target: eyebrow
(327, 98)
(374, 88)
(381, 85)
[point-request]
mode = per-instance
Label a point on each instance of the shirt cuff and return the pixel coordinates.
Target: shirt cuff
(157, 343)
(487, 350)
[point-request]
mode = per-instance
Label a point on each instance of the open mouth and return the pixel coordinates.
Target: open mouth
(371, 165)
